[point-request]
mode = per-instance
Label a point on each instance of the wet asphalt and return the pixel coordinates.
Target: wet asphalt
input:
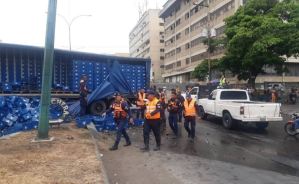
(271, 149)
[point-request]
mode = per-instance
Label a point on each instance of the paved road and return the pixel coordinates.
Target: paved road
(245, 155)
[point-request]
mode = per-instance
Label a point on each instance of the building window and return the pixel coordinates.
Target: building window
(178, 22)
(220, 30)
(161, 24)
(161, 57)
(178, 64)
(198, 57)
(161, 50)
(178, 36)
(178, 50)
(187, 61)
(196, 42)
(187, 46)
(172, 27)
(169, 67)
(170, 54)
(187, 15)
(187, 31)
(161, 41)
(162, 66)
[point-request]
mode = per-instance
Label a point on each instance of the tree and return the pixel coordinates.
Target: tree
(202, 70)
(259, 34)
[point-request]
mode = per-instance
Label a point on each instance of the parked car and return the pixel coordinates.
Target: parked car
(234, 105)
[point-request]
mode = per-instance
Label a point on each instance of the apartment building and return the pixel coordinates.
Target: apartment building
(147, 41)
(188, 25)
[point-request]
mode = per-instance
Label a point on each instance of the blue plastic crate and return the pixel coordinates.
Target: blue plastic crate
(82, 122)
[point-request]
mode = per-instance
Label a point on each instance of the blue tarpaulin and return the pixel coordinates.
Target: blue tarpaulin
(115, 82)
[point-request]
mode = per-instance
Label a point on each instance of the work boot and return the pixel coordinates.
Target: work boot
(157, 148)
(145, 149)
(127, 144)
(113, 148)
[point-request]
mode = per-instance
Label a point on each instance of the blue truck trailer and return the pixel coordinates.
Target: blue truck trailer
(21, 72)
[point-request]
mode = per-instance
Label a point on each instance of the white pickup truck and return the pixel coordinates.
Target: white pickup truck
(234, 105)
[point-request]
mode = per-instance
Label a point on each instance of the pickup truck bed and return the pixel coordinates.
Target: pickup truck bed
(225, 104)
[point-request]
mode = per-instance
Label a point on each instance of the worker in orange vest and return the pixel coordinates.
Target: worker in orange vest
(121, 115)
(152, 121)
(141, 97)
(190, 109)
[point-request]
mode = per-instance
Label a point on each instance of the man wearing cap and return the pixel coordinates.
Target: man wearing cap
(83, 95)
(173, 106)
(121, 113)
(152, 121)
(190, 109)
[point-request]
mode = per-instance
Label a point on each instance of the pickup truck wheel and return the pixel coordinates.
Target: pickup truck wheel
(201, 113)
(98, 108)
(261, 125)
(228, 121)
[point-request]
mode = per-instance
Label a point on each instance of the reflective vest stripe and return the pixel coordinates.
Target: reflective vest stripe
(118, 111)
(151, 106)
(190, 108)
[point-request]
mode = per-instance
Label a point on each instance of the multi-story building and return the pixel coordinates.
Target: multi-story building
(147, 41)
(187, 25)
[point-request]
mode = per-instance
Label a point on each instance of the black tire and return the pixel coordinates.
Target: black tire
(98, 108)
(262, 125)
(290, 129)
(227, 121)
(201, 113)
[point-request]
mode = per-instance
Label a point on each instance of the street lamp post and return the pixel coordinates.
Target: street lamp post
(69, 24)
(208, 33)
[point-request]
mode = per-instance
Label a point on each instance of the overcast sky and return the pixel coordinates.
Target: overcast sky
(106, 31)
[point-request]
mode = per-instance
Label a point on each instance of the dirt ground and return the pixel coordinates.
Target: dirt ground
(69, 159)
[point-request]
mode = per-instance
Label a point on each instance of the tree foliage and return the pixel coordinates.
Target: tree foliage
(202, 70)
(259, 34)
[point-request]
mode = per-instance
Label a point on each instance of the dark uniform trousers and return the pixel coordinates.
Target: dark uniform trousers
(190, 120)
(152, 125)
(121, 130)
(83, 105)
(173, 122)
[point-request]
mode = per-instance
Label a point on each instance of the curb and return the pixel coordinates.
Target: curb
(93, 132)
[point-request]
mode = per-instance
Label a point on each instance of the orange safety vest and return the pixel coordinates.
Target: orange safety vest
(151, 107)
(119, 113)
(190, 108)
(141, 98)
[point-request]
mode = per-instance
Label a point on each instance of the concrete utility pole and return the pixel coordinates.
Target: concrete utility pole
(43, 127)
